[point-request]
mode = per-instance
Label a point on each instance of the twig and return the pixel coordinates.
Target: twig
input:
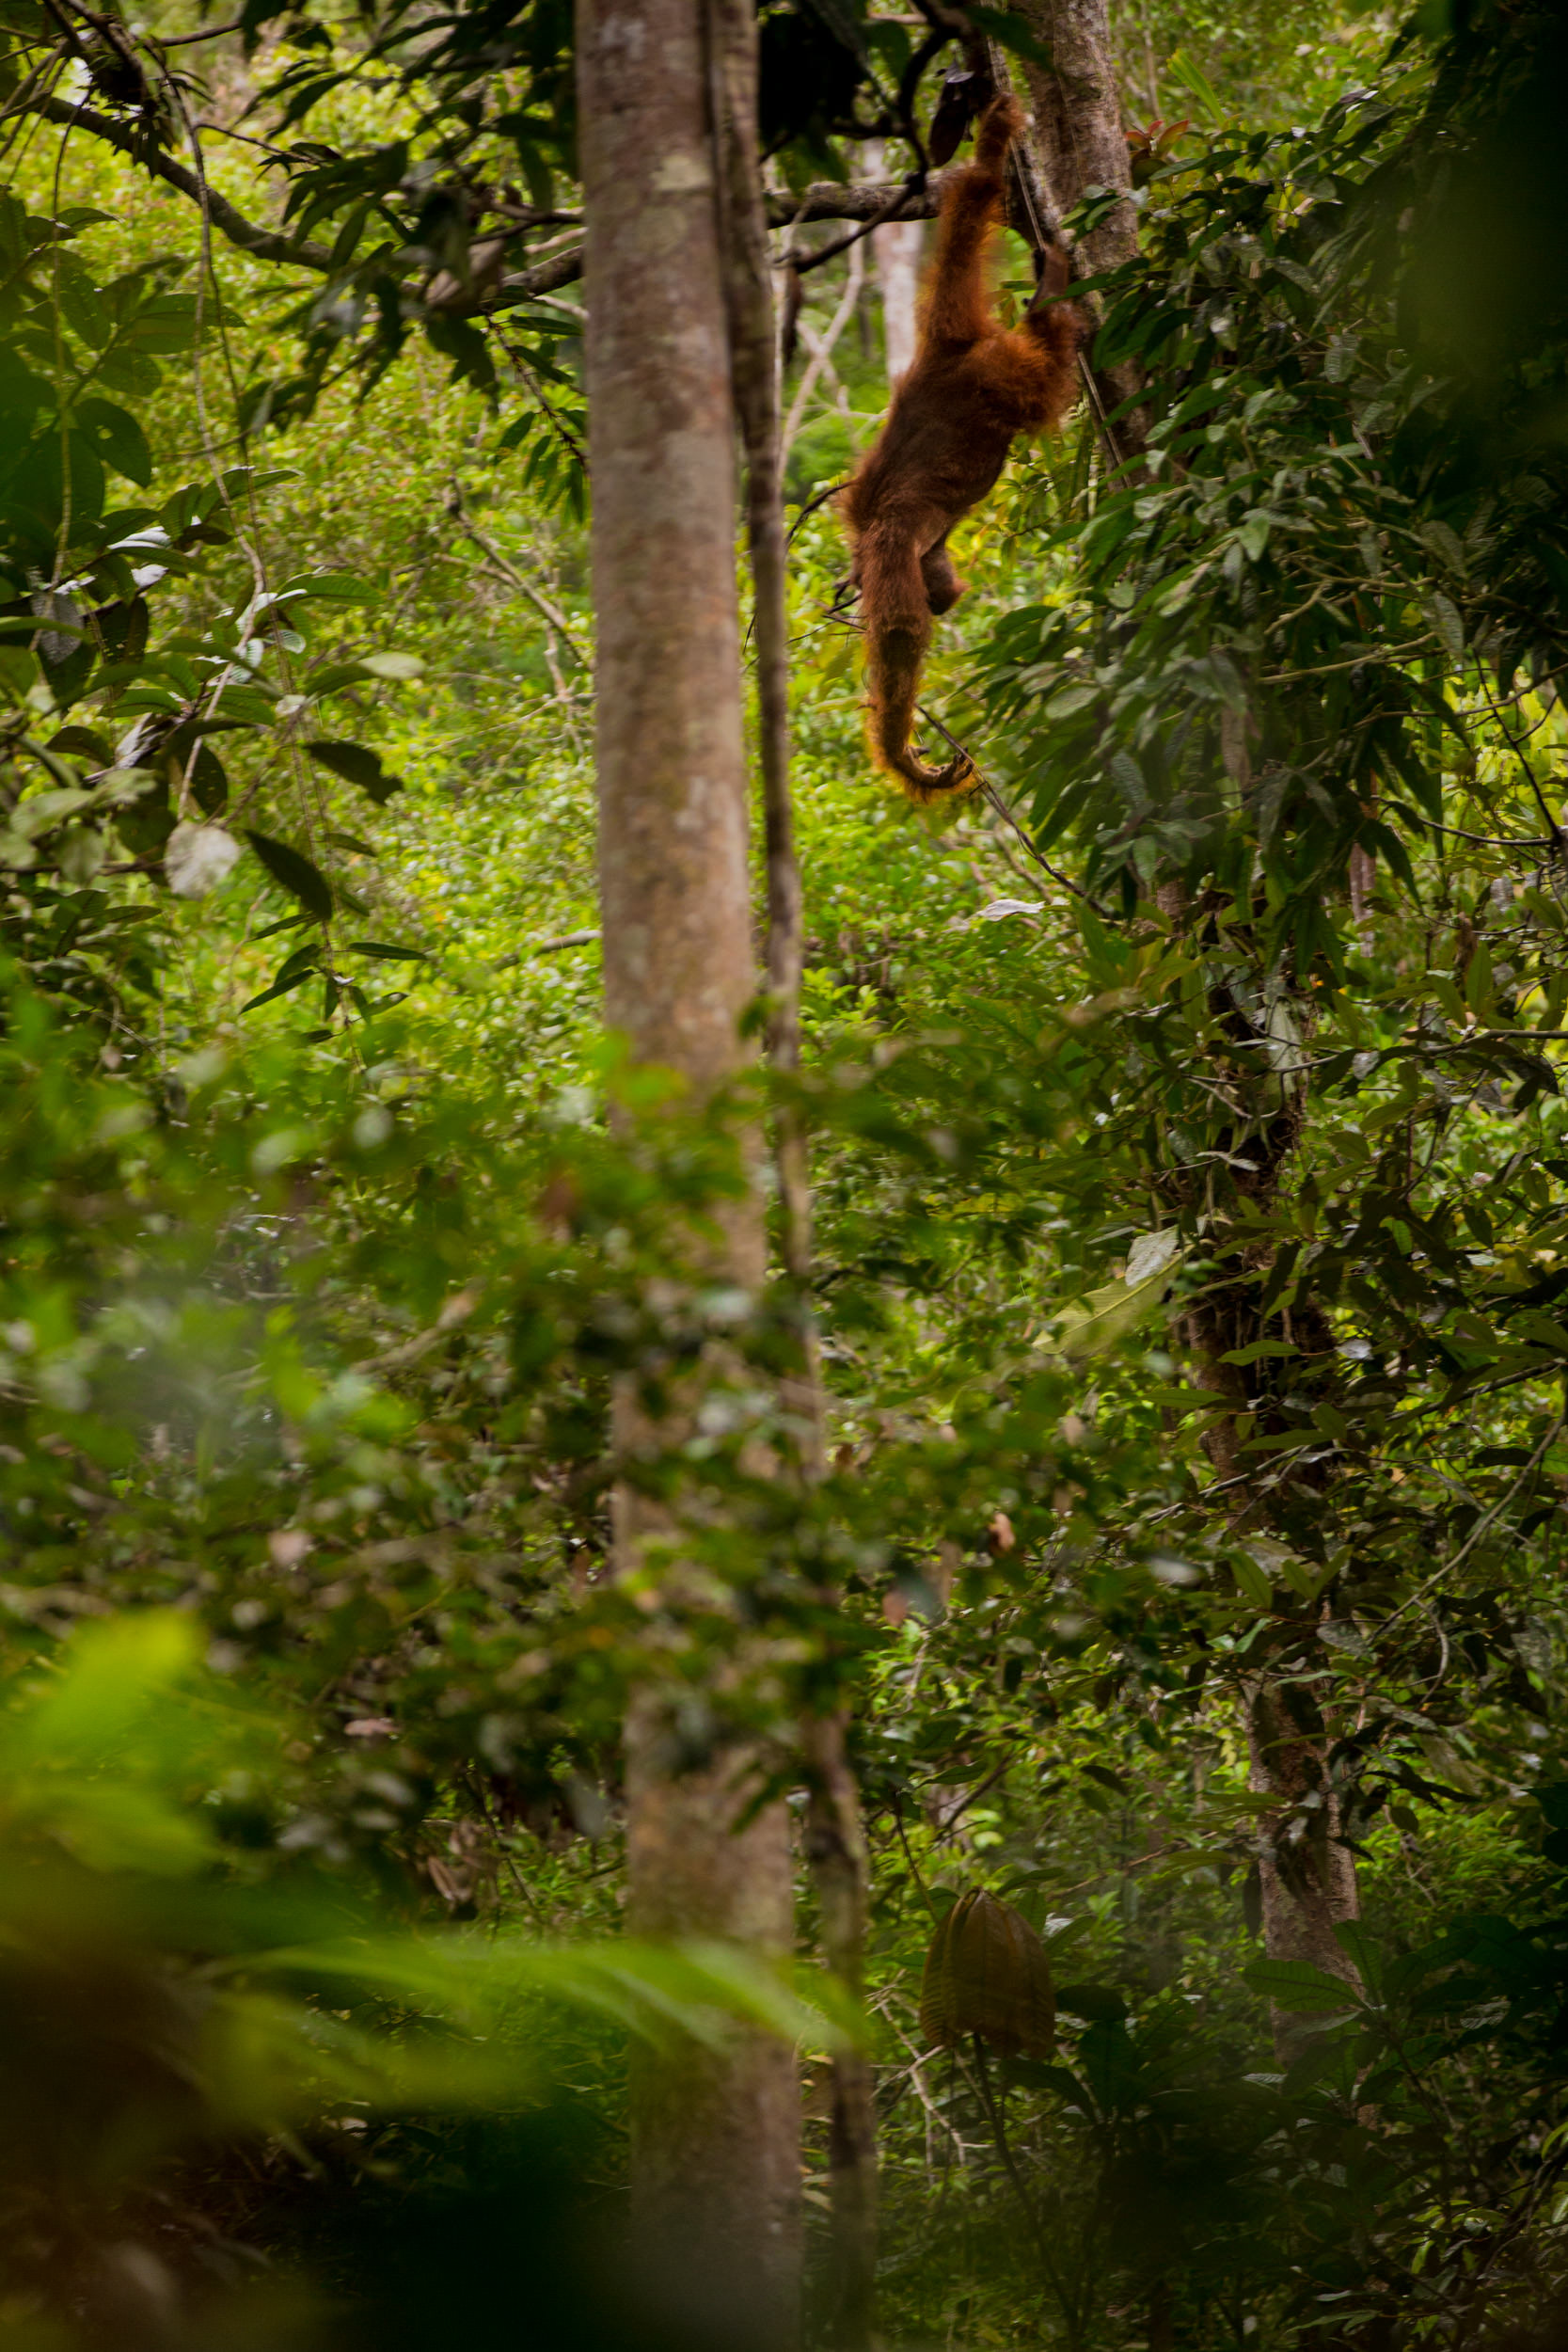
(1006, 813)
(508, 571)
(1487, 1520)
(894, 210)
(550, 946)
(562, 429)
(225, 218)
(976, 1793)
(1003, 2148)
(914, 1867)
(211, 32)
(811, 506)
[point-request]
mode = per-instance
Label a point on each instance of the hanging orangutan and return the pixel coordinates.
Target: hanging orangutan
(975, 385)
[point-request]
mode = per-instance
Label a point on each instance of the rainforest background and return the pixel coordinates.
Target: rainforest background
(1144, 1502)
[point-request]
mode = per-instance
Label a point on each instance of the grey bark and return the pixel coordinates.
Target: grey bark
(715, 2133)
(1082, 144)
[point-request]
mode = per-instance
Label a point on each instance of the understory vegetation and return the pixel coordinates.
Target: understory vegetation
(1190, 1177)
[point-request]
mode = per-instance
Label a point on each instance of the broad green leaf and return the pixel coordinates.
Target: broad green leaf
(1295, 1984)
(117, 438)
(295, 872)
(356, 764)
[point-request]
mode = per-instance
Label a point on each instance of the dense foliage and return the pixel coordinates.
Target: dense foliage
(1189, 1159)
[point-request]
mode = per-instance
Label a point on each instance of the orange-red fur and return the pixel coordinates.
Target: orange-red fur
(974, 386)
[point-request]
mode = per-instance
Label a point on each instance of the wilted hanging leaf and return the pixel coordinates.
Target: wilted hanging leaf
(963, 94)
(987, 1974)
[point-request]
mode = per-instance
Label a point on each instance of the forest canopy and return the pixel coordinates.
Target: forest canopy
(776, 1568)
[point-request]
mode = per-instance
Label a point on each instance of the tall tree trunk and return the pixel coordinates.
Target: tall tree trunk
(1082, 144)
(835, 1847)
(1307, 1881)
(715, 2134)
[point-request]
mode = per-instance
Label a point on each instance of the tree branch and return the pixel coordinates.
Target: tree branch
(868, 200)
(226, 219)
(825, 200)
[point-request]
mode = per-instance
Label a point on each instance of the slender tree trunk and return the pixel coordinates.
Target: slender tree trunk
(715, 2134)
(754, 345)
(1077, 119)
(835, 1848)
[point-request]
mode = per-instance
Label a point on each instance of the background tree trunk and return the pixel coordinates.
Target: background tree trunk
(1306, 1882)
(1306, 1872)
(715, 2134)
(899, 247)
(841, 1873)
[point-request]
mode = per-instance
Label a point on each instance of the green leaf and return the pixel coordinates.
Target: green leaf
(396, 666)
(1196, 84)
(117, 438)
(356, 764)
(295, 872)
(280, 987)
(1251, 1582)
(1295, 1984)
(388, 954)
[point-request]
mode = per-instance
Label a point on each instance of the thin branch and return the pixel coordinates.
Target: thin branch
(974, 1794)
(1003, 811)
(1483, 1526)
(868, 200)
(212, 32)
(551, 946)
(896, 209)
(1005, 2150)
